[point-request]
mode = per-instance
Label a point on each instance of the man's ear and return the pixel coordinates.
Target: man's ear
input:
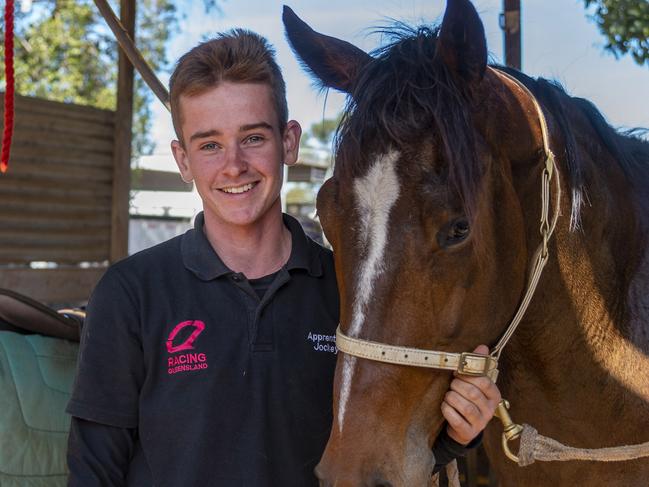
(291, 142)
(182, 161)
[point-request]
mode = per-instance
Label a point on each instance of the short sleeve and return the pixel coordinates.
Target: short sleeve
(110, 370)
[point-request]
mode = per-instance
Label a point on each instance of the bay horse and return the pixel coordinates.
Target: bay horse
(433, 214)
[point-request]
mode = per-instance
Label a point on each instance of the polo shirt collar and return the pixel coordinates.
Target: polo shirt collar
(304, 254)
(200, 258)
(198, 255)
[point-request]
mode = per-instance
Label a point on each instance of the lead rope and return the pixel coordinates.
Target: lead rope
(452, 474)
(535, 447)
(538, 447)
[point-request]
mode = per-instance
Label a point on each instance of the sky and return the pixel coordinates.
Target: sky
(559, 41)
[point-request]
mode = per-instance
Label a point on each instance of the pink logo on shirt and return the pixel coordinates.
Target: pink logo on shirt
(188, 344)
(188, 361)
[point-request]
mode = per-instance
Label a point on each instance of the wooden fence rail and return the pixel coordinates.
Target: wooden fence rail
(56, 199)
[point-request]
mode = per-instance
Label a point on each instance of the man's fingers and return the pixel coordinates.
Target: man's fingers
(469, 389)
(471, 394)
(482, 349)
(458, 428)
(480, 391)
(484, 384)
(469, 404)
(469, 410)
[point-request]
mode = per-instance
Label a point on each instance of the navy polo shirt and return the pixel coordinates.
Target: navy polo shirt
(224, 388)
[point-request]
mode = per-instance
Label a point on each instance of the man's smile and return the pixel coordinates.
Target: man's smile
(244, 188)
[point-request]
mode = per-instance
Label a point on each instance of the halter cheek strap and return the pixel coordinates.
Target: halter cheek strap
(472, 363)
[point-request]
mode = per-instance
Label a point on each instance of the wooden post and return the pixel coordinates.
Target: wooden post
(123, 137)
(510, 22)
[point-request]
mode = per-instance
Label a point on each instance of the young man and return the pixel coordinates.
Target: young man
(196, 367)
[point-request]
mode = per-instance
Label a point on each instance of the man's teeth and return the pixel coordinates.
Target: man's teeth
(238, 189)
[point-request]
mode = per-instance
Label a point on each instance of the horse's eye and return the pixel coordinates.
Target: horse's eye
(453, 232)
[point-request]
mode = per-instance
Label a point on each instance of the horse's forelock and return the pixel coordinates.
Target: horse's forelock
(406, 95)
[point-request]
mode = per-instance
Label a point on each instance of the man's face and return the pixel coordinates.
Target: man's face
(233, 150)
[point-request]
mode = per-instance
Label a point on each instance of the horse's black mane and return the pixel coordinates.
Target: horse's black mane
(406, 92)
(628, 148)
(401, 95)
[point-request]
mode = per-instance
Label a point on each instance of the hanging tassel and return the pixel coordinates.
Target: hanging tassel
(9, 90)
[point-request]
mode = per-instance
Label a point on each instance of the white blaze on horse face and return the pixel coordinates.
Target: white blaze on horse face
(349, 362)
(375, 194)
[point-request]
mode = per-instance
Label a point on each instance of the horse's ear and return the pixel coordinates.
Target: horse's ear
(334, 62)
(462, 44)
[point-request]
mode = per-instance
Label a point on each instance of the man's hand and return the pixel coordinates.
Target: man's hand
(469, 405)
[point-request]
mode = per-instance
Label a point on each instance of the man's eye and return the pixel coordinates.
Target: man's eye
(210, 146)
(254, 139)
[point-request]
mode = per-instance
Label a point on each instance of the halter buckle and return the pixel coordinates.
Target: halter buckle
(476, 364)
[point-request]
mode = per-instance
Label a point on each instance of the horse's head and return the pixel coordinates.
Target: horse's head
(428, 233)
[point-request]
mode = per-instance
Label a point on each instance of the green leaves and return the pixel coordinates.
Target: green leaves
(625, 24)
(65, 52)
(323, 131)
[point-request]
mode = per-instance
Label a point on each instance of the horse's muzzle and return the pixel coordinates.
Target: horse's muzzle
(380, 475)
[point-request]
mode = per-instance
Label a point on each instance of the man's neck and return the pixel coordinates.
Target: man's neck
(255, 250)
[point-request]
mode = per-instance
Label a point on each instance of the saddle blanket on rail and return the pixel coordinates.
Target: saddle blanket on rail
(36, 377)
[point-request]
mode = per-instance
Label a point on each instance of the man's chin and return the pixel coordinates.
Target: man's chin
(243, 219)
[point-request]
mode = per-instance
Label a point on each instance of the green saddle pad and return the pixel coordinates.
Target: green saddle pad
(36, 377)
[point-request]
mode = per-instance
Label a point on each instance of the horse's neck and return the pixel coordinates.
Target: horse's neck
(586, 338)
(610, 312)
(603, 268)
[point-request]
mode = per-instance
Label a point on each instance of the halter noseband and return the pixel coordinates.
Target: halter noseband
(472, 363)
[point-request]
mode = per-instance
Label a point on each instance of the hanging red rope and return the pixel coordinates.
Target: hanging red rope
(9, 90)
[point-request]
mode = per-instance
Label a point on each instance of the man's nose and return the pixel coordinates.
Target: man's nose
(235, 162)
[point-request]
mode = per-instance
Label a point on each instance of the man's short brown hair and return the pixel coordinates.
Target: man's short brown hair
(237, 56)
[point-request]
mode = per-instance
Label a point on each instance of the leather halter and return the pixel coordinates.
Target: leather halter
(472, 363)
